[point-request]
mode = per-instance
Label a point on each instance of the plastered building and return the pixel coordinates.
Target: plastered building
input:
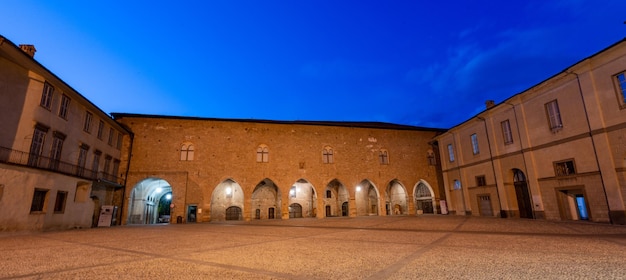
(555, 151)
(218, 169)
(59, 153)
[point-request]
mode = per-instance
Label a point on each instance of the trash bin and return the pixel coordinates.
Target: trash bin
(179, 220)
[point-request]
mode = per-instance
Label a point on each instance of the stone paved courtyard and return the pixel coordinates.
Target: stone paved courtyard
(435, 247)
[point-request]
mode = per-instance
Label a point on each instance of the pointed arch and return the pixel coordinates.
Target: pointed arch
(336, 198)
(396, 198)
(266, 200)
(424, 198)
(226, 194)
(147, 201)
(303, 193)
(367, 199)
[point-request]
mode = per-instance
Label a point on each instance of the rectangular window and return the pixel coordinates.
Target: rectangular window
(87, 124)
(39, 200)
(554, 115)
(82, 159)
(116, 168)
(36, 146)
(59, 203)
(100, 129)
(95, 166)
(327, 155)
(481, 181)
(119, 141)
(107, 165)
(564, 168)
(384, 157)
(46, 95)
(475, 149)
(506, 132)
(65, 105)
(450, 152)
(55, 152)
(329, 194)
(111, 135)
(620, 84)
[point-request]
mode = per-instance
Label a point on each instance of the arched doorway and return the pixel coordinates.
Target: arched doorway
(335, 196)
(295, 210)
(366, 199)
(225, 200)
(424, 199)
(233, 213)
(396, 199)
(521, 192)
(265, 198)
(303, 194)
(149, 202)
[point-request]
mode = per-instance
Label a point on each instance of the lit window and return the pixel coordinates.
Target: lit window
(450, 152)
(620, 84)
(457, 185)
(65, 105)
(383, 155)
(262, 154)
(59, 204)
(186, 152)
(506, 132)
(46, 95)
(87, 124)
(327, 155)
(564, 168)
(475, 149)
(554, 115)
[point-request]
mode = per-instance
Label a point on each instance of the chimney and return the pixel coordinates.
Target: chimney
(28, 49)
(490, 103)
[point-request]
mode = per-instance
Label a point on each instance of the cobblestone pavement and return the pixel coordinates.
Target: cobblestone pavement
(436, 247)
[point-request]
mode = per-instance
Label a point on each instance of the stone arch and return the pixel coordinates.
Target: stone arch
(396, 199)
(144, 201)
(303, 193)
(367, 199)
(266, 200)
(226, 194)
(424, 198)
(335, 195)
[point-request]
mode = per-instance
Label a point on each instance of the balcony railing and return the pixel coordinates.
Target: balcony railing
(40, 162)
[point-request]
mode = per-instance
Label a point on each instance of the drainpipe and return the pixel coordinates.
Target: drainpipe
(493, 168)
(593, 143)
(521, 148)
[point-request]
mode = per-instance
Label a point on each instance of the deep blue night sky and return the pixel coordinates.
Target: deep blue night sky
(423, 63)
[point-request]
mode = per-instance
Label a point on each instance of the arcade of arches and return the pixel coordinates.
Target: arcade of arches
(151, 199)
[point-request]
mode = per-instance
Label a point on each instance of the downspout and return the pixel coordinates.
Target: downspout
(521, 148)
(593, 143)
(493, 168)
